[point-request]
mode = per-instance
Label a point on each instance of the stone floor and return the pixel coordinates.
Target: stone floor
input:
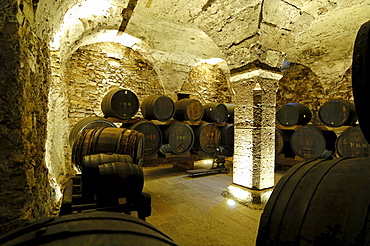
(192, 211)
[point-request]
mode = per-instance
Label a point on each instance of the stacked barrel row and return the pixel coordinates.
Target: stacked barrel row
(338, 135)
(167, 126)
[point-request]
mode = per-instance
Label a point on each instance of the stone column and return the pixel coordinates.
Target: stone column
(254, 153)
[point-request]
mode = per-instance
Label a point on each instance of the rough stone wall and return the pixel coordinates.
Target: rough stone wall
(95, 69)
(209, 83)
(300, 84)
(25, 193)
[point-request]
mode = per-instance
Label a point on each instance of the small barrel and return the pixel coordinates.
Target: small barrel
(120, 103)
(108, 140)
(282, 142)
(352, 143)
(178, 138)
(152, 136)
(87, 123)
(310, 142)
(215, 112)
(320, 202)
(89, 229)
(291, 114)
(189, 110)
(227, 136)
(118, 180)
(230, 111)
(207, 138)
(338, 112)
(158, 107)
(90, 172)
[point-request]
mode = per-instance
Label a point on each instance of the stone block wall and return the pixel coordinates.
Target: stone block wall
(208, 83)
(300, 84)
(94, 70)
(25, 193)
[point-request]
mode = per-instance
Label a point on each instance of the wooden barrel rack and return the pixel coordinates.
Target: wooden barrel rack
(184, 160)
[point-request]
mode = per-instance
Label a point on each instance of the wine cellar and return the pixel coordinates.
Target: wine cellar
(197, 122)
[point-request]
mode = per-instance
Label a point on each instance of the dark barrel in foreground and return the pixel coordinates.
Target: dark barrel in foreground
(88, 229)
(321, 202)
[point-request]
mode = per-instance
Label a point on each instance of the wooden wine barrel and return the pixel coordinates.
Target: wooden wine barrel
(215, 112)
(207, 138)
(178, 138)
(120, 103)
(158, 107)
(87, 123)
(227, 136)
(97, 159)
(361, 77)
(320, 202)
(338, 112)
(188, 109)
(92, 181)
(352, 143)
(113, 181)
(230, 111)
(88, 229)
(282, 142)
(152, 136)
(309, 142)
(108, 140)
(292, 114)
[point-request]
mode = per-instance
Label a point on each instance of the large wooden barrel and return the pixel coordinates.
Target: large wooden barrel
(352, 143)
(230, 110)
(282, 142)
(215, 112)
(291, 114)
(188, 109)
(338, 112)
(87, 123)
(310, 142)
(120, 103)
(158, 107)
(108, 140)
(152, 136)
(178, 138)
(321, 202)
(361, 77)
(88, 229)
(207, 138)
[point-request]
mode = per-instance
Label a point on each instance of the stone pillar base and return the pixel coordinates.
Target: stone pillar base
(251, 198)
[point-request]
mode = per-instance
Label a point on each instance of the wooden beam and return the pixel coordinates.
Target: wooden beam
(126, 14)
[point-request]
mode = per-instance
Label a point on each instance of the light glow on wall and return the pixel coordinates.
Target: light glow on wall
(73, 18)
